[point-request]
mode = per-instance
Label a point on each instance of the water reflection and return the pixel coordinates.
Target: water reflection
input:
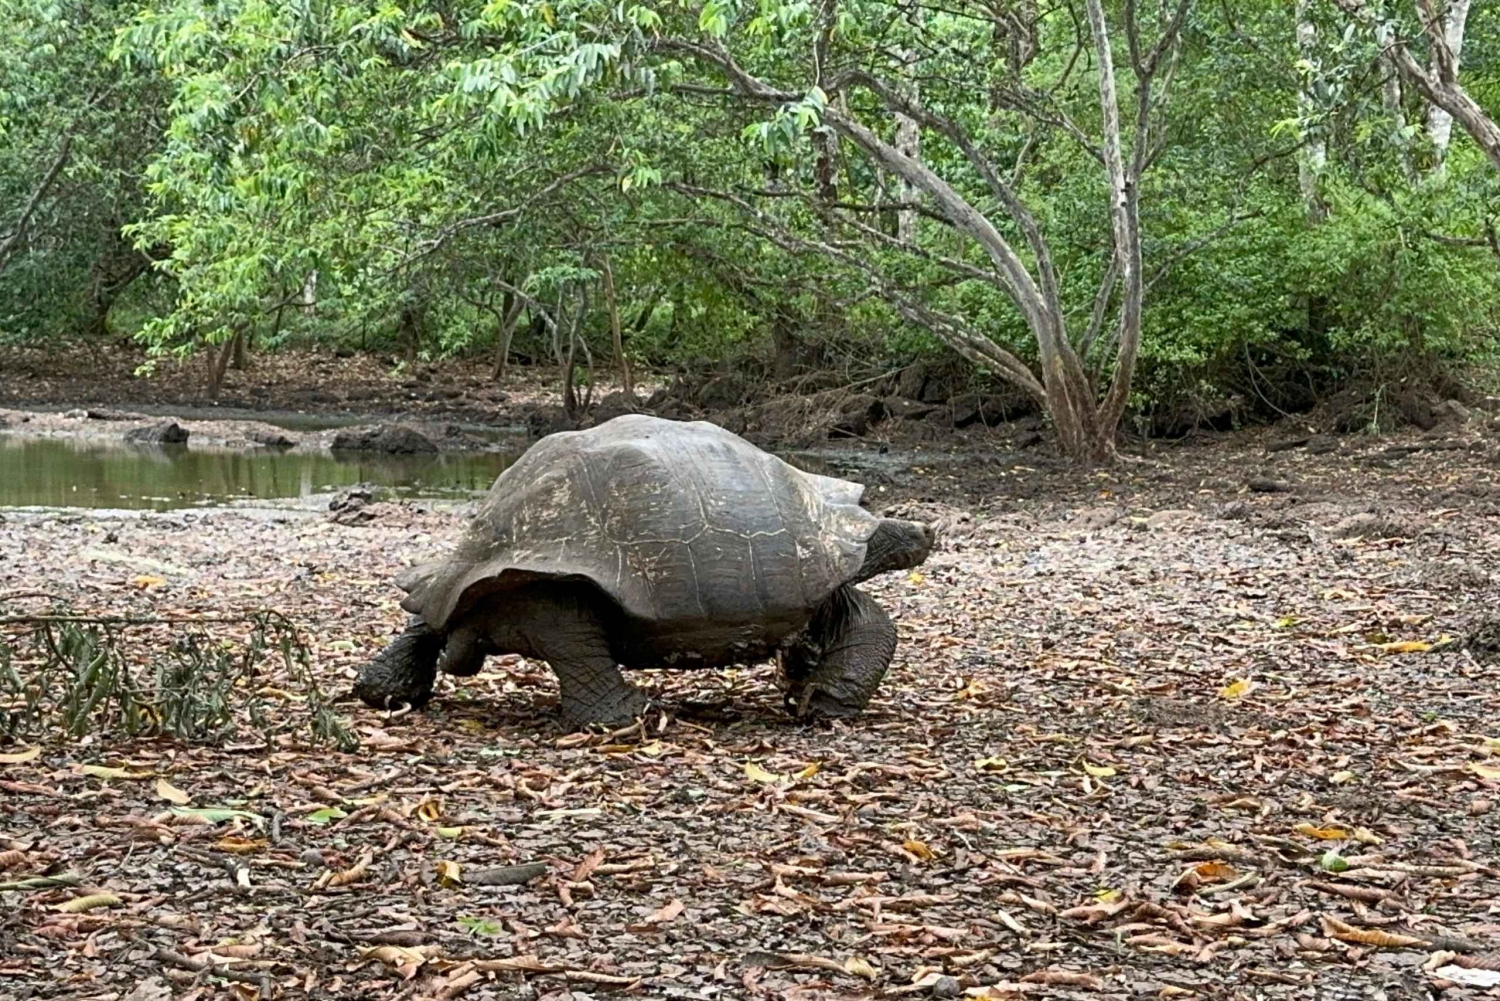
(73, 473)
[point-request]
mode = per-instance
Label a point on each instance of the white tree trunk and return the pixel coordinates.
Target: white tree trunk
(1314, 155)
(909, 143)
(1439, 122)
(1390, 97)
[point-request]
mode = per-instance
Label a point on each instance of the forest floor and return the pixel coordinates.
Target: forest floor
(1206, 725)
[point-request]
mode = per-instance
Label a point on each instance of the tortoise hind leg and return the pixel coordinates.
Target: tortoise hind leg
(404, 672)
(848, 648)
(567, 631)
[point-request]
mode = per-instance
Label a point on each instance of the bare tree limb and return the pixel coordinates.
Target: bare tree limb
(12, 239)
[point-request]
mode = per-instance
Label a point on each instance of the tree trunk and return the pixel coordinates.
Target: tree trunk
(1390, 100)
(219, 362)
(617, 337)
(410, 332)
(310, 292)
(240, 361)
(784, 342)
(909, 142)
(505, 330)
(1313, 157)
(1439, 121)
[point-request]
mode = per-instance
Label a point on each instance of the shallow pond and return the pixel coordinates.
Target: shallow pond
(53, 472)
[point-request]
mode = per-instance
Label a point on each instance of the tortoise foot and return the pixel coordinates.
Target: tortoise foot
(615, 709)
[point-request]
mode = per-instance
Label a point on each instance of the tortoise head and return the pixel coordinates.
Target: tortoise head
(897, 544)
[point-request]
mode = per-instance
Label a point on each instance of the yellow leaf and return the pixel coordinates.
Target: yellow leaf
(167, 791)
(755, 773)
(916, 578)
(1485, 771)
(451, 833)
(240, 846)
(920, 850)
(429, 810)
(146, 580)
(860, 968)
(1286, 622)
(1322, 833)
(991, 764)
(810, 771)
(1341, 778)
(1106, 895)
(1238, 689)
(103, 772)
(1406, 646)
(450, 873)
(1367, 836)
(91, 902)
(1099, 771)
(21, 757)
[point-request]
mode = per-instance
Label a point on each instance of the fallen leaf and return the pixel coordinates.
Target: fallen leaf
(809, 771)
(1238, 689)
(326, 814)
(105, 772)
(1099, 771)
(920, 850)
(1322, 833)
(240, 846)
(1490, 772)
(1334, 928)
(1406, 646)
(405, 961)
(215, 814)
(429, 810)
(991, 765)
(167, 791)
(20, 757)
(666, 914)
(449, 873)
(92, 901)
(146, 580)
(449, 833)
(1469, 978)
(354, 873)
(916, 578)
(755, 773)
(860, 968)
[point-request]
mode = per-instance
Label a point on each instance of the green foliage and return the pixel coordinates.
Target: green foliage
(429, 163)
(81, 676)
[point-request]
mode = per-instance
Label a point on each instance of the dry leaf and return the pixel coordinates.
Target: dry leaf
(666, 914)
(1322, 833)
(449, 873)
(1334, 928)
(1490, 772)
(1099, 771)
(105, 772)
(1065, 978)
(146, 580)
(860, 968)
(429, 810)
(1467, 977)
(240, 846)
(90, 902)
(991, 765)
(755, 773)
(920, 850)
(354, 873)
(167, 791)
(810, 771)
(586, 868)
(20, 757)
(1406, 646)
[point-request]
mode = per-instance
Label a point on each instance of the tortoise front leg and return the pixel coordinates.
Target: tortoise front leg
(835, 670)
(404, 672)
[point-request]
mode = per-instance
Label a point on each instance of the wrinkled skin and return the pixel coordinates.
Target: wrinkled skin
(833, 665)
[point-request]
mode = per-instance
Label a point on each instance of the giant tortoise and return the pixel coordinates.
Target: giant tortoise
(652, 543)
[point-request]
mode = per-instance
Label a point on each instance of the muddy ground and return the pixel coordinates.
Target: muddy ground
(1207, 725)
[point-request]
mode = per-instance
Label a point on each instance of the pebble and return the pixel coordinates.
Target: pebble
(946, 987)
(312, 857)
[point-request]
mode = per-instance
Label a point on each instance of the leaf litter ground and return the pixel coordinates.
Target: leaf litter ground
(1150, 733)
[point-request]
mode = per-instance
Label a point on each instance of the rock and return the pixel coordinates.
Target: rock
(1030, 439)
(393, 439)
(912, 381)
(343, 352)
(1373, 526)
(269, 437)
(946, 987)
(1172, 520)
(1093, 518)
(989, 409)
(1454, 411)
(1266, 485)
(906, 408)
(163, 433)
(856, 415)
(615, 404)
(351, 506)
(76, 415)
